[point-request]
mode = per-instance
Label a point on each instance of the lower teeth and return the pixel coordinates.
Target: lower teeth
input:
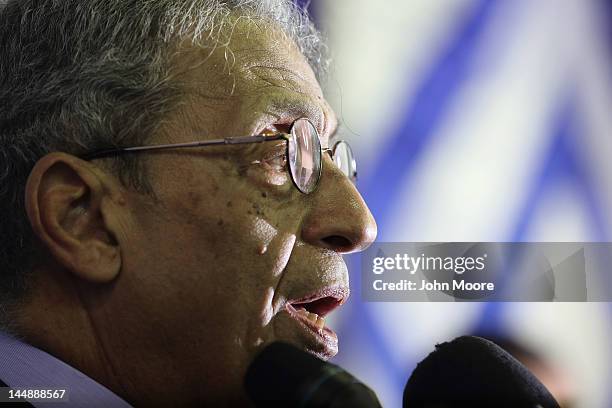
(312, 317)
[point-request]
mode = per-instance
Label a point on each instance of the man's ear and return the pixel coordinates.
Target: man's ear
(71, 210)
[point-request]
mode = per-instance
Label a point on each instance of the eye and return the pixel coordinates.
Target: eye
(276, 161)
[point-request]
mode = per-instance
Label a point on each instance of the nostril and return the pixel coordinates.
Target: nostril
(337, 242)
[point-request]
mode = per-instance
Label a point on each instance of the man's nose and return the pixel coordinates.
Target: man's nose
(339, 219)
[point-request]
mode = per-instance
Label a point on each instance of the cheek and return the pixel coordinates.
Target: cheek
(261, 236)
(263, 233)
(227, 242)
(274, 182)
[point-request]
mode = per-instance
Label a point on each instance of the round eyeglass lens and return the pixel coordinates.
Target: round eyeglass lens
(304, 155)
(343, 157)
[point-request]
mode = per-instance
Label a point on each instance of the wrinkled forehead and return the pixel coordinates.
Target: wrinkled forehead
(255, 69)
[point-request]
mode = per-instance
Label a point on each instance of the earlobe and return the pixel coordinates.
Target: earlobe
(68, 207)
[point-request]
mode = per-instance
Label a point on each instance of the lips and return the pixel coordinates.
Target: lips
(309, 312)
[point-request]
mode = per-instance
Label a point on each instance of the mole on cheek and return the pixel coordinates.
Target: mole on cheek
(121, 200)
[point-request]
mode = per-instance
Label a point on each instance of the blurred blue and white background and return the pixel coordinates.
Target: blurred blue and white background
(477, 120)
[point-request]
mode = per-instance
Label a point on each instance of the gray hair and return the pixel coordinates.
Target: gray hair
(79, 75)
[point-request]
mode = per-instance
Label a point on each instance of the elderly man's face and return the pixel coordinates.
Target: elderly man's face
(218, 266)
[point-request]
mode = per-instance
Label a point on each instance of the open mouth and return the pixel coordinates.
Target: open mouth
(311, 312)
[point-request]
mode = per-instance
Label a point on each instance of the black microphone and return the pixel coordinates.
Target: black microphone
(283, 375)
(473, 372)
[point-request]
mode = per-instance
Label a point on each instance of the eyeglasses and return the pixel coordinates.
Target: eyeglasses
(304, 153)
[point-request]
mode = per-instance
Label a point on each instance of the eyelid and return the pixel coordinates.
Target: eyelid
(275, 155)
(276, 151)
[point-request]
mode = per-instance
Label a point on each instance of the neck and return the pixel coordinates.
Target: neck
(54, 318)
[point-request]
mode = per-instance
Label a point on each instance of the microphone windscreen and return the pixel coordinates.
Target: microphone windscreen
(473, 372)
(284, 376)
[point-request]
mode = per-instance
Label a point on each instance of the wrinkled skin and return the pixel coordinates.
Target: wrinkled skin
(167, 301)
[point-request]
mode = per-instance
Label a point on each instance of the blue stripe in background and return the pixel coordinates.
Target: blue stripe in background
(556, 164)
(424, 113)
(562, 162)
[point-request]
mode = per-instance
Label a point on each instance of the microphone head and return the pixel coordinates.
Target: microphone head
(278, 371)
(283, 375)
(473, 372)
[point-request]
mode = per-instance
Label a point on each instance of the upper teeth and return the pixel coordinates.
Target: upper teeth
(313, 317)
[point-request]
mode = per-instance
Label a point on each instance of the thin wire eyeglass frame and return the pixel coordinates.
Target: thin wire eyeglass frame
(228, 141)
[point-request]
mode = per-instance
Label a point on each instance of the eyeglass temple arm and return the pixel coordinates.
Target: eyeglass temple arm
(215, 142)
